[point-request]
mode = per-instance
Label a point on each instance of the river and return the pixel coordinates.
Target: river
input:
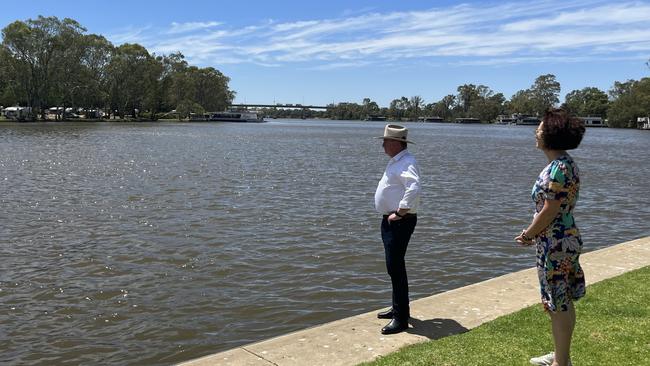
(154, 243)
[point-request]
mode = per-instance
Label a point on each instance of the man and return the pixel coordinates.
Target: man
(397, 198)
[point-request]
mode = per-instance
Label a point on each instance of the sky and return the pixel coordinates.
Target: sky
(322, 52)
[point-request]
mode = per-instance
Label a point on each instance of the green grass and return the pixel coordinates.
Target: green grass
(613, 328)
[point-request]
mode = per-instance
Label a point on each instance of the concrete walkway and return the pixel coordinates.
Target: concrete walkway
(357, 339)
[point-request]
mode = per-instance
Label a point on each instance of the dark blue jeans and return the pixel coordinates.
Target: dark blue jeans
(396, 236)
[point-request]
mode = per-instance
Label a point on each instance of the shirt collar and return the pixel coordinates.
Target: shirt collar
(399, 155)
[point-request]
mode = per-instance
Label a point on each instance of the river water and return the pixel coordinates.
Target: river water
(154, 243)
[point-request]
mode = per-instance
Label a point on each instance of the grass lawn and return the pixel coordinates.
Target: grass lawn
(613, 328)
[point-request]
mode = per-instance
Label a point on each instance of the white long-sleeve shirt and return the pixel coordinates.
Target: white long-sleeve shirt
(399, 187)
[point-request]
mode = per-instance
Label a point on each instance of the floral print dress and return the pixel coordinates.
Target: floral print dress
(559, 246)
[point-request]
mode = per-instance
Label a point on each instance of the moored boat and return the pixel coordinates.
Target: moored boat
(431, 119)
(372, 117)
(468, 120)
(528, 121)
(593, 121)
(244, 116)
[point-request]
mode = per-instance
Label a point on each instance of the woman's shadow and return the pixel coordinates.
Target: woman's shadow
(435, 328)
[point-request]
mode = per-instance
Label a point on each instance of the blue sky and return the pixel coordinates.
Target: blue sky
(343, 51)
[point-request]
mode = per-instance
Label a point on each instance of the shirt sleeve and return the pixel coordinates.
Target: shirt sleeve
(557, 185)
(411, 180)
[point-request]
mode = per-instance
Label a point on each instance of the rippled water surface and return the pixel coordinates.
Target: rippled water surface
(158, 243)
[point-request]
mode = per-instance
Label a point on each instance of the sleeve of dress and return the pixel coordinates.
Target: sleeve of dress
(557, 185)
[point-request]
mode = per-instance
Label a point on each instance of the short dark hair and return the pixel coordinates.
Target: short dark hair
(561, 131)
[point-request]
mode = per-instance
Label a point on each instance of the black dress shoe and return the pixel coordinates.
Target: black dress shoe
(395, 326)
(388, 314)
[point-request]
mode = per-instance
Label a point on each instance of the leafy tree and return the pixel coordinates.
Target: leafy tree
(630, 100)
(587, 102)
(522, 102)
(370, 107)
(545, 93)
(414, 106)
(94, 76)
(467, 95)
(133, 75)
(398, 108)
(444, 107)
(37, 53)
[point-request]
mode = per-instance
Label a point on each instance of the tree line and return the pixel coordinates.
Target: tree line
(49, 62)
(621, 106)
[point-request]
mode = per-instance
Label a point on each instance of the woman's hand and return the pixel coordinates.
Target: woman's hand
(524, 240)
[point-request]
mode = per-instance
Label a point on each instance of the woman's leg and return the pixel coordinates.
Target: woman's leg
(563, 323)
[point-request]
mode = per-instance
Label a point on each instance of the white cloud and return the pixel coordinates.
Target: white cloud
(514, 32)
(191, 26)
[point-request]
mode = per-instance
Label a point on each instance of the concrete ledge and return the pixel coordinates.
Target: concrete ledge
(357, 339)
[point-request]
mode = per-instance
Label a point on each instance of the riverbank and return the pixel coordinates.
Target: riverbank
(612, 329)
(357, 339)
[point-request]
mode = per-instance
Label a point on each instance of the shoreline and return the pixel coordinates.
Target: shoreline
(357, 339)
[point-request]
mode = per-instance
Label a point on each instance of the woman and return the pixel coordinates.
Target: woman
(554, 232)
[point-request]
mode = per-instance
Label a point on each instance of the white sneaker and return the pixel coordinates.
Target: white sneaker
(546, 360)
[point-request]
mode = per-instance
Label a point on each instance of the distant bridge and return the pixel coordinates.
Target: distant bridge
(293, 106)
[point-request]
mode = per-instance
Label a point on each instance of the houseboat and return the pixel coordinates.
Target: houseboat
(372, 117)
(593, 121)
(243, 116)
(431, 119)
(468, 120)
(643, 123)
(505, 120)
(527, 120)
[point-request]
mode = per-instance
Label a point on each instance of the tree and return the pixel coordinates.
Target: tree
(467, 95)
(398, 108)
(37, 53)
(545, 93)
(522, 102)
(369, 107)
(630, 100)
(94, 72)
(133, 77)
(414, 106)
(444, 107)
(587, 102)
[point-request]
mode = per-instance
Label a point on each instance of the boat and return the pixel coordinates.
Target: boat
(242, 116)
(431, 119)
(372, 117)
(593, 121)
(527, 120)
(468, 120)
(505, 120)
(643, 123)
(231, 116)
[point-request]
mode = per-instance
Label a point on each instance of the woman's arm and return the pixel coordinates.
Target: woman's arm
(541, 221)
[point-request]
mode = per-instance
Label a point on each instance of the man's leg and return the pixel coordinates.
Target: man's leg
(396, 236)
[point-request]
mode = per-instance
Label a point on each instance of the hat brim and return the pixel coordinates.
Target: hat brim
(396, 139)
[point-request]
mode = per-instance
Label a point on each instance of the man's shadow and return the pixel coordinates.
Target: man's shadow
(435, 328)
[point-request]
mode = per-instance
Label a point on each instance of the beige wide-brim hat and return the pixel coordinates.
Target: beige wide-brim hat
(396, 132)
